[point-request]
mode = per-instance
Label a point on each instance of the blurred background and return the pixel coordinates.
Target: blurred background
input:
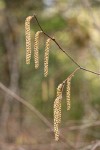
(76, 26)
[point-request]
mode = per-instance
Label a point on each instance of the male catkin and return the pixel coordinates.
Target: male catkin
(59, 94)
(57, 111)
(36, 49)
(56, 118)
(68, 87)
(46, 57)
(28, 39)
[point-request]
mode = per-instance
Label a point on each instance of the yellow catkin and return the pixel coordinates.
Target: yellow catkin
(59, 93)
(28, 39)
(56, 117)
(57, 111)
(46, 57)
(68, 87)
(36, 49)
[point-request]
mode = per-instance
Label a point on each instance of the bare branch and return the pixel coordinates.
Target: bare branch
(54, 40)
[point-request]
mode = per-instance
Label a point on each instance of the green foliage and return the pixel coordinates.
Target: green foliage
(55, 23)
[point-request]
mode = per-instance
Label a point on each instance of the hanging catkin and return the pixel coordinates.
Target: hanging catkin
(57, 111)
(56, 117)
(59, 94)
(36, 49)
(68, 87)
(46, 57)
(28, 39)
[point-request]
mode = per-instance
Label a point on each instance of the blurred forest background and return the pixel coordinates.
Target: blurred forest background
(75, 24)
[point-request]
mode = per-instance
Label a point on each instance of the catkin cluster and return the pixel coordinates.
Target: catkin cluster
(57, 102)
(46, 57)
(28, 39)
(36, 49)
(68, 86)
(57, 111)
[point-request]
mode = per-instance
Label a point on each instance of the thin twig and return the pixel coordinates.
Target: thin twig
(37, 113)
(54, 40)
(72, 74)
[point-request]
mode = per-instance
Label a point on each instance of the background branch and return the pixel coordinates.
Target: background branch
(36, 112)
